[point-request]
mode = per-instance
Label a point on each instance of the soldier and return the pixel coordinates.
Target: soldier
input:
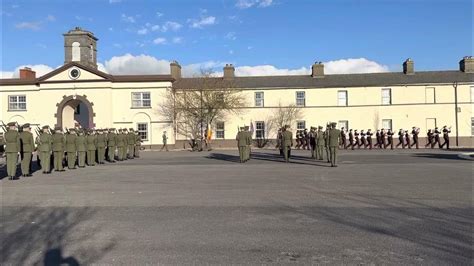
(383, 137)
(101, 144)
(390, 138)
(369, 138)
(44, 146)
(131, 143)
(241, 144)
(446, 132)
(2, 143)
(436, 138)
(407, 139)
(12, 149)
(333, 141)
(377, 139)
(306, 139)
(357, 140)
(343, 138)
(111, 144)
(351, 139)
(81, 147)
(326, 141)
(298, 140)
(71, 148)
(27, 148)
(400, 139)
(125, 144)
(120, 145)
(287, 141)
(91, 141)
(279, 140)
(248, 149)
(429, 138)
(138, 144)
(363, 139)
(165, 141)
(320, 142)
(312, 142)
(414, 132)
(58, 149)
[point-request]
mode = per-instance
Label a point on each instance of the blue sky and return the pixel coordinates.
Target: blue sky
(286, 35)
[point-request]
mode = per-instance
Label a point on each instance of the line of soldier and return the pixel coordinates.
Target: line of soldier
(76, 147)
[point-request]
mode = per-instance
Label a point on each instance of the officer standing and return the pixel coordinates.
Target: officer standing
(91, 141)
(81, 147)
(248, 148)
(312, 142)
(27, 148)
(165, 141)
(45, 142)
(320, 142)
(101, 144)
(138, 144)
(241, 144)
(58, 149)
(131, 143)
(111, 144)
(12, 149)
(71, 148)
(333, 140)
(287, 141)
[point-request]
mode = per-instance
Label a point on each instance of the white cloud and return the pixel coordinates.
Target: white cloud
(33, 25)
(177, 40)
(50, 18)
(128, 19)
(159, 14)
(353, 65)
(231, 36)
(39, 69)
(244, 4)
(231, 51)
(114, 1)
(142, 31)
(200, 23)
(171, 25)
(159, 40)
(155, 27)
(132, 65)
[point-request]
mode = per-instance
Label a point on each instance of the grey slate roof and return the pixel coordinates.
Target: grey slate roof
(339, 80)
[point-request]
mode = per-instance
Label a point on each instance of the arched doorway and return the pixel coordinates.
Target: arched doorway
(75, 111)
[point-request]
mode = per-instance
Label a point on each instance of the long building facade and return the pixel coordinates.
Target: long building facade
(79, 94)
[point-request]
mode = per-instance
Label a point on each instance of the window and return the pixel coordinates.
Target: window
(387, 123)
(300, 98)
(141, 99)
(430, 95)
(343, 124)
(220, 130)
(260, 130)
(259, 102)
(76, 52)
(300, 125)
(386, 96)
(472, 94)
(142, 129)
(16, 102)
(342, 98)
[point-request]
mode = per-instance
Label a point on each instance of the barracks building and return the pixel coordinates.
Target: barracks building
(77, 93)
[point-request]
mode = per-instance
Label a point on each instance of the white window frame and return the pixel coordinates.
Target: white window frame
(298, 99)
(299, 123)
(343, 123)
(15, 105)
(140, 101)
(472, 94)
(344, 99)
(384, 101)
(220, 130)
(259, 129)
(472, 126)
(259, 101)
(76, 52)
(426, 95)
(390, 121)
(142, 132)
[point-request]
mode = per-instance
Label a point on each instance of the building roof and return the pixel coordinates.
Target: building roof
(338, 80)
(105, 76)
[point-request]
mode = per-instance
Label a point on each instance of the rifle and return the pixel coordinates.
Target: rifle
(66, 130)
(4, 127)
(20, 129)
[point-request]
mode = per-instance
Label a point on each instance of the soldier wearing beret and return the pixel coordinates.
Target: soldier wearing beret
(71, 148)
(91, 141)
(120, 144)
(59, 144)
(27, 148)
(111, 144)
(333, 139)
(44, 146)
(101, 144)
(81, 147)
(320, 143)
(125, 144)
(131, 143)
(12, 149)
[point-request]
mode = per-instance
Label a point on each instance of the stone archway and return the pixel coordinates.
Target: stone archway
(69, 105)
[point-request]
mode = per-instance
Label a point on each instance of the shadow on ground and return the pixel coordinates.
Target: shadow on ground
(444, 156)
(270, 157)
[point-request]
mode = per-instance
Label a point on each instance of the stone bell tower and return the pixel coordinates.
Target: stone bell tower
(80, 46)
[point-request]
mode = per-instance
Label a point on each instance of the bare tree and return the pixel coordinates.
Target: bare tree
(198, 102)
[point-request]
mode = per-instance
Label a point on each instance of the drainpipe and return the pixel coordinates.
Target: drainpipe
(455, 85)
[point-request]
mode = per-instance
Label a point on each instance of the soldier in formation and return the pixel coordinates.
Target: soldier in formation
(56, 148)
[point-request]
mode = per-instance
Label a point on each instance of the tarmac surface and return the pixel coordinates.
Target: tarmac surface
(402, 207)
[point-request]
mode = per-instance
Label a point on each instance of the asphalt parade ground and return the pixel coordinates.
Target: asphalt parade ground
(402, 207)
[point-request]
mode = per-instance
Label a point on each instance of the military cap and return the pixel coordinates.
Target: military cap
(11, 124)
(27, 125)
(111, 129)
(45, 127)
(131, 129)
(120, 130)
(72, 129)
(320, 127)
(334, 123)
(57, 128)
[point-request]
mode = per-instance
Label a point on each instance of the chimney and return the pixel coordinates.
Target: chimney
(27, 73)
(317, 70)
(229, 71)
(409, 67)
(467, 64)
(175, 70)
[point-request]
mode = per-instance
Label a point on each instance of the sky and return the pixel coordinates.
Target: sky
(260, 37)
